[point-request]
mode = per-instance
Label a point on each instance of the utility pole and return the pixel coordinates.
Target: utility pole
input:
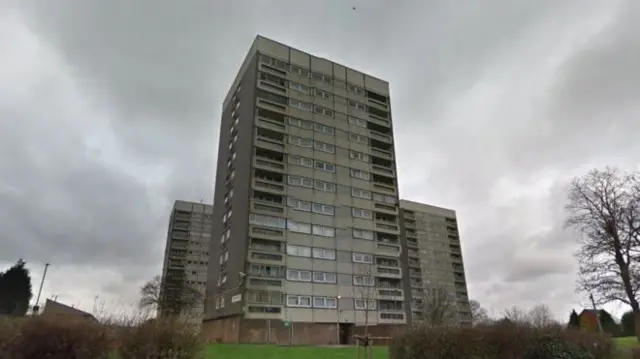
(595, 310)
(36, 308)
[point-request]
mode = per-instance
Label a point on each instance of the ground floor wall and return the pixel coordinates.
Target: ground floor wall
(259, 331)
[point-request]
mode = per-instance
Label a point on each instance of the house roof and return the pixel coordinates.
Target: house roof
(52, 307)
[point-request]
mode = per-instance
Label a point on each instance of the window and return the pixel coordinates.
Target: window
(357, 121)
(267, 221)
(298, 71)
(308, 125)
(298, 251)
(299, 227)
(301, 105)
(362, 304)
(221, 302)
(300, 161)
(300, 181)
(355, 89)
(300, 88)
(361, 213)
(302, 142)
(320, 77)
(325, 147)
(299, 275)
(362, 280)
(363, 175)
(384, 198)
(359, 156)
(323, 209)
(302, 301)
(360, 193)
(325, 302)
(299, 204)
(324, 129)
(324, 166)
(358, 138)
(323, 94)
(324, 186)
(323, 111)
(324, 231)
(362, 257)
(323, 253)
(363, 234)
(357, 105)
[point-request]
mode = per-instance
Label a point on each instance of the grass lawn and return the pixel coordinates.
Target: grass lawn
(247, 351)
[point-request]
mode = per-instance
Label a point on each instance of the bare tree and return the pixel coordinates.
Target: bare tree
(174, 300)
(604, 207)
(437, 307)
(366, 292)
(540, 316)
(479, 315)
(517, 316)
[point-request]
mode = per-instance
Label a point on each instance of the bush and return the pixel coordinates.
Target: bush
(635, 353)
(37, 338)
(161, 339)
(499, 342)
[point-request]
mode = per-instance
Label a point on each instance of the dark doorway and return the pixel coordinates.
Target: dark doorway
(346, 331)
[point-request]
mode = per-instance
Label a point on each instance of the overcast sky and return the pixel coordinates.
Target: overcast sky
(109, 111)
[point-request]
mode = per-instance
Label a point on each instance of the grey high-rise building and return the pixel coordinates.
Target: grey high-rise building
(184, 273)
(436, 270)
(307, 241)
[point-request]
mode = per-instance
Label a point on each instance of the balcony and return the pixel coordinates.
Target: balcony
(380, 153)
(380, 136)
(267, 208)
(266, 232)
(391, 294)
(385, 208)
(270, 125)
(382, 170)
(388, 272)
(387, 249)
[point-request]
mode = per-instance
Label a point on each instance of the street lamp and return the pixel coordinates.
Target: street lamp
(338, 320)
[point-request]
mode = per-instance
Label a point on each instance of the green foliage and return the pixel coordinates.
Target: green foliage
(628, 324)
(15, 290)
(498, 342)
(609, 324)
(574, 320)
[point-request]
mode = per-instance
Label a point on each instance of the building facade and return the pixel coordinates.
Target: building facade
(436, 270)
(307, 230)
(186, 258)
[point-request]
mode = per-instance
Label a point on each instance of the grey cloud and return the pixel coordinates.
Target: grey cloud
(486, 121)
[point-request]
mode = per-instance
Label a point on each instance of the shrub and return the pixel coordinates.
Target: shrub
(499, 342)
(37, 338)
(635, 353)
(161, 339)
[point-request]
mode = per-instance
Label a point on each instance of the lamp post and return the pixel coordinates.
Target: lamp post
(338, 321)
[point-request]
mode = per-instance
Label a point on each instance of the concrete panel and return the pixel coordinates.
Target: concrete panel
(300, 216)
(345, 268)
(359, 165)
(325, 316)
(344, 222)
(363, 246)
(299, 58)
(299, 315)
(370, 317)
(324, 137)
(339, 72)
(300, 192)
(345, 279)
(324, 197)
(322, 66)
(347, 316)
(305, 115)
(341, 117)
(355, 77)
(299, 171)
(358, 183)
(363, 203)
(342, 176)
(299, 132)
(345, 291)
(299, 263)
(299, 239)
(376, 85)
(300, 151)
(300, 288)
(362, 224)
(344, 197)
(323, 265)
(325, 290)
(342, 157)
(324, 242)
(324, 156)
(324, 175)
(272, 48)
(323, 220)
(346, 143)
